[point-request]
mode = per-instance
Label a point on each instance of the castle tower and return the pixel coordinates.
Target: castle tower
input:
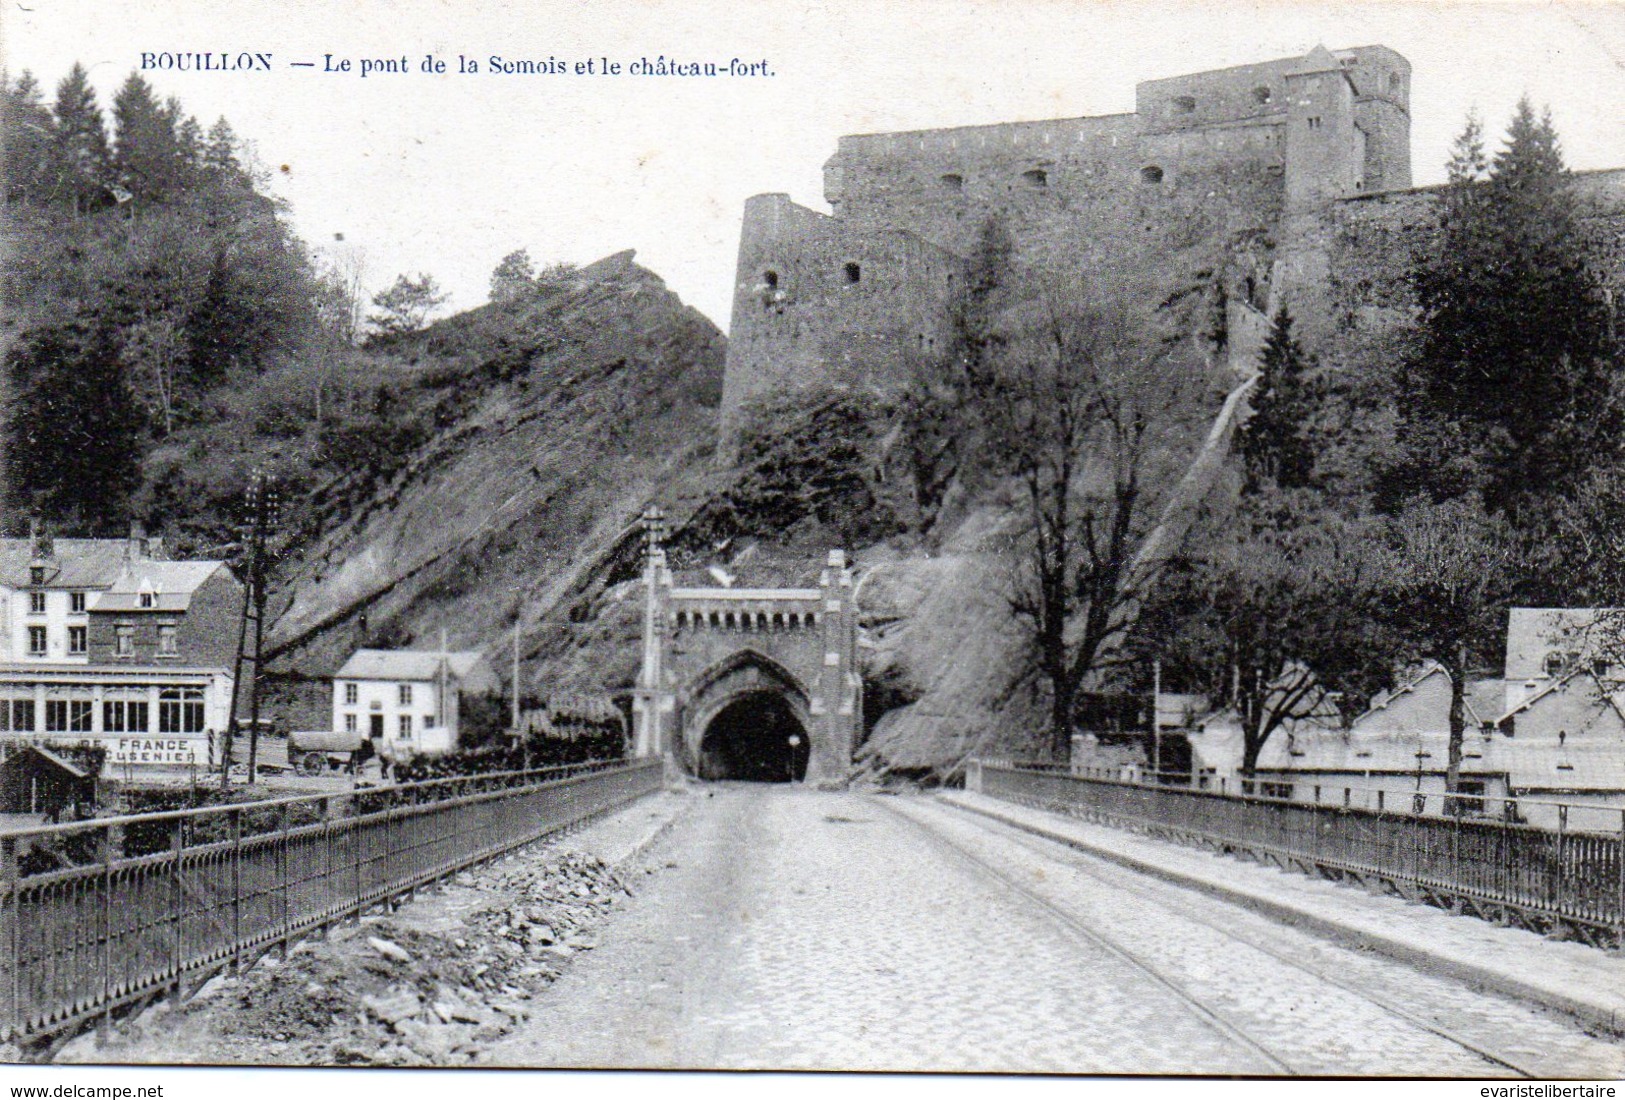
(1325, 150)
(1382, 110)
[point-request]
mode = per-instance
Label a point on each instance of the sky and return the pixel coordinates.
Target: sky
(446, 173)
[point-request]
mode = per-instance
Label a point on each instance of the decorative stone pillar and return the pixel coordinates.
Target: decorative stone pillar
(653, 705)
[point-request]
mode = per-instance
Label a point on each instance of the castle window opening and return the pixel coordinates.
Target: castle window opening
(1151, 174)
(953, 181)
(1037, 178)
(1261, 94)
(770, 279)
(1185, 104)
(1313, 121)
(853, 273)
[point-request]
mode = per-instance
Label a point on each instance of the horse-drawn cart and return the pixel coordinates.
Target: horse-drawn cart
(316, 752)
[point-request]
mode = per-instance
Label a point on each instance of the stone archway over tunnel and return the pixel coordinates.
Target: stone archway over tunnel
(731, 675)
(755, 737)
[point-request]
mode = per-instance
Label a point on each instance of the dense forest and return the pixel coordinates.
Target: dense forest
(167, 334)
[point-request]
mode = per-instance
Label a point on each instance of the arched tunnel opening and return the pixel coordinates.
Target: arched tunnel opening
(755, 738)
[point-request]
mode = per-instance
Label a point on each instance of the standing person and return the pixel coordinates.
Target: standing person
(359, 758)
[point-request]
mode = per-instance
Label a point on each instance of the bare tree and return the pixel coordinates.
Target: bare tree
(1080, 410)
(1272, 609)
(1444, 578)
(347, 271)
(155, 351)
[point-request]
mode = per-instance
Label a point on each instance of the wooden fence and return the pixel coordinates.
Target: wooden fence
(1566, 881)
(101, 916)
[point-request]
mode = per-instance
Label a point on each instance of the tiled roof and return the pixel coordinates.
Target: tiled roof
(1541, 765)
(405, 664)
(1486, 699)
(74, 563)
(1590, 756)
(170, 582)
(1424, 700)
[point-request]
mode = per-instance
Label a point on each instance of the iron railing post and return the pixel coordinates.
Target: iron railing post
(235, 817)
(325, 807)
(177, 907)
(1554, 881)
(284, 886)
(11, 936)
(112, 837)
(1619, 886)
(354, 834)
(1455, 846)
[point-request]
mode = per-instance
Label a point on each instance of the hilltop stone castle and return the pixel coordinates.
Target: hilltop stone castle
(1282, 182)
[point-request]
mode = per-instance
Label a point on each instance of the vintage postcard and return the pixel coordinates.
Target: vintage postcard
(908, 536)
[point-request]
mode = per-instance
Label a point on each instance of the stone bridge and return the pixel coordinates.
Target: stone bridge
(750, 683)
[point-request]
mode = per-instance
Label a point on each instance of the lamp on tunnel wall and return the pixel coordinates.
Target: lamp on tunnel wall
(794, 742)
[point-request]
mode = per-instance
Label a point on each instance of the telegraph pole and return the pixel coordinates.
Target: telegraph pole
(264, 514)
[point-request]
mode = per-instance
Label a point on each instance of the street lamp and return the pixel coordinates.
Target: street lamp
(794, 743)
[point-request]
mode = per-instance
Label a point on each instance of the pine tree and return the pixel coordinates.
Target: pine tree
(220, 161)
(1274, 444)
(81, 139)
(146, 154)
(406, 305)
(1515, 348)
(30, 161)
(513, 278)
(75, 426)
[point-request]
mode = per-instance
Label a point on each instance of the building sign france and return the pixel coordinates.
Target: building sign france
(157, 750)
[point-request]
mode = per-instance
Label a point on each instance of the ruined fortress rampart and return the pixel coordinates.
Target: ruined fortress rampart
(1287, 181)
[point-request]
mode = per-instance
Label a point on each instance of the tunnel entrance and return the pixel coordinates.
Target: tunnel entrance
(756, 738)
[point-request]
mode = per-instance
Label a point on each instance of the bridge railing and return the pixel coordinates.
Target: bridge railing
(1562, 879)
(102, 915)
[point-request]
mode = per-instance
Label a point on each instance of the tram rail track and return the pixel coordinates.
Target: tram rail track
(1223, 1020)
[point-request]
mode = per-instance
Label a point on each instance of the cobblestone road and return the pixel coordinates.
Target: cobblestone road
(794, 929)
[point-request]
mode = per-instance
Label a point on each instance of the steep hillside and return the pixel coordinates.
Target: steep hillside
(555, 428)
(526, 446)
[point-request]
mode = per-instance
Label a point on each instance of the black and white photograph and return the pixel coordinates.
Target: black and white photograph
(1010, 538)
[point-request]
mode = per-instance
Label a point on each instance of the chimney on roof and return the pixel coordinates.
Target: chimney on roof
(40, 540)
(136, 548)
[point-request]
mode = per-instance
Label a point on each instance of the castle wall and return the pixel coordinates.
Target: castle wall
(1196, 100)
(821, 303)
(1345, 268)
(1191, 189)
(939, 185)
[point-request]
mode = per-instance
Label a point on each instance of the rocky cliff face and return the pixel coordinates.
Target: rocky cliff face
(587, 404)
(524, 507)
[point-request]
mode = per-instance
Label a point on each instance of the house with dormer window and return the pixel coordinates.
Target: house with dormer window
(105, 640)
